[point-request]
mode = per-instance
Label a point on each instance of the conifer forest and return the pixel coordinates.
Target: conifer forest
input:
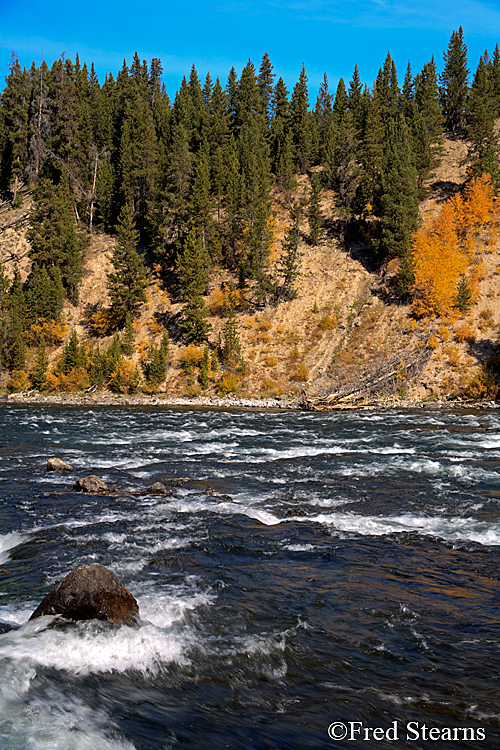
(201, 197)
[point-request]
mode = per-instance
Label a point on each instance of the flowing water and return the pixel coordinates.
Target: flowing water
(317, 570)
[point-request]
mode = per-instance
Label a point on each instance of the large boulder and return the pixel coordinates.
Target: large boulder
(90, 592)
(90, 484)
(57, 464)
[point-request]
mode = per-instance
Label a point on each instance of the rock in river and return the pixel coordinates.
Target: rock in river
(158, 488)
(57, 464)
(90, 592)
(90, 484)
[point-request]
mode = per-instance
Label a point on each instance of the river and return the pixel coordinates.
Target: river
(314, 581)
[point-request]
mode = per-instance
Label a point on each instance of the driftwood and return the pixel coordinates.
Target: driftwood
(387, 377)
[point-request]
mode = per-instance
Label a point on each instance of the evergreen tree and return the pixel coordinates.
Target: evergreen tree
(128, 342)
(194, 323)
(481, 117)
(72, 354)
(201, 208)
(398, 201)
(454, 82)
(356, 103)
(265, 86)
(289, 266)
(41, 366)
(193, 267)
(127, 285)
(427, 98)
(230, 350)
(204, 369)
(52, 235)
(347, 168)
(323, 114)
(15, 110)
(301, 122)
(314, 214)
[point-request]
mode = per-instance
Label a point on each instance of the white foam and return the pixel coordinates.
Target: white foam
(452, 529)
(88, 648)
(268, 519)
(8, 542)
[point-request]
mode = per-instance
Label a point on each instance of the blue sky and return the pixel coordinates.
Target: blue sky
(327, 35)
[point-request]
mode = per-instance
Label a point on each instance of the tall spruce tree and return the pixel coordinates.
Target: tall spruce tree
(314, 215)
(398, 198)
(454, 82)
(52, 234)
(127, 284)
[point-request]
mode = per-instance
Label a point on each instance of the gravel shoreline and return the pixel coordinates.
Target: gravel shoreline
(104, 398)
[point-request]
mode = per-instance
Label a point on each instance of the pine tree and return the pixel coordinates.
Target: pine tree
(193, 267)
(127, 285)
(347, 168)
(230, 350)
(427, 98)
(314, 215)
(201, 208)
(481, 115)
(193, 272)
(398, 199)
(356, 104)
(128, 342)
(289, 266)
(194, 323)
(72, 354)
(52, 234)
(323, 114)
(454, 82)
(301, 122)
(15, 109)
(265, 86)
(41, 366)
(203, 378)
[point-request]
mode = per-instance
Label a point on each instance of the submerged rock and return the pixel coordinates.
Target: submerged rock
(90, 484)
(90, 592)
(57, 464)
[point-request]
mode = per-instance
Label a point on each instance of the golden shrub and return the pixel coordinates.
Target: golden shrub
(453, 354)
(53, 333)
(154, 327)
(465, 332)
(77, 379)
(19, 381)
(228, 383)
(102, 323)
(300, 374)
(328, 322)
(191, 356)
(270, 360)
(444, 332)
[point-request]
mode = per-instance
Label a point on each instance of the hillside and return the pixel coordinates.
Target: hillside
(342, 326)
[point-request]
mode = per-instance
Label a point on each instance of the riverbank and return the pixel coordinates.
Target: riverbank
(105, 398)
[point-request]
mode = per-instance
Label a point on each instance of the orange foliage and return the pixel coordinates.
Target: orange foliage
(221, 300)
(102, 323)
(154, 327)
(450, 246)
(49, 330)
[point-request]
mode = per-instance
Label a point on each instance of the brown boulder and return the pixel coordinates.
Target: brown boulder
(90, 592)
(158, 488)
(56, 464)
(90, 484)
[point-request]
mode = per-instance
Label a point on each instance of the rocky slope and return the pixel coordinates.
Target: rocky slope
(343, 325)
